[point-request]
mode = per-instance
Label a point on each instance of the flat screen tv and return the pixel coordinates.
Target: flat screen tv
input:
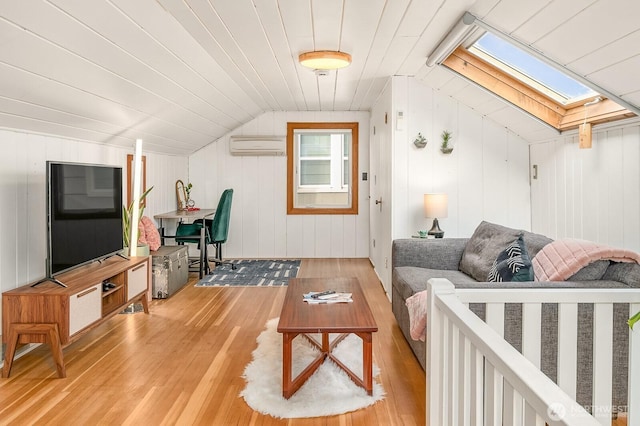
(84, 214)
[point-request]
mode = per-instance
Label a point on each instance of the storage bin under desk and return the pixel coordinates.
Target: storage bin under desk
(170, 267)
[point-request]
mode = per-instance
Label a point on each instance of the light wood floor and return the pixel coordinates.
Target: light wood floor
(183, 363)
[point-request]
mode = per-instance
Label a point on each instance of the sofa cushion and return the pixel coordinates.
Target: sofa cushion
(408, 280)
(512, 264)
(534, 242)
(628, 273)
(488, 240)
(593, 271)
(440, 253)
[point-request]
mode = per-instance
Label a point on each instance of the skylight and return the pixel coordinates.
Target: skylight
(525, 77)
(530, 70)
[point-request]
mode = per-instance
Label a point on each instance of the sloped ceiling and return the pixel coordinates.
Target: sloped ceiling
(181, 73)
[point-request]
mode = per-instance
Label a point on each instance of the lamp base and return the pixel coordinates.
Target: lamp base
(435, 230)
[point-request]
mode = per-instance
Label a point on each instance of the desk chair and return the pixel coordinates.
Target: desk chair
(216, 232)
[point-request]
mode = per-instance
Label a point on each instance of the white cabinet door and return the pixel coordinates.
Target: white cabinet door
(85, 307)
(137, 278)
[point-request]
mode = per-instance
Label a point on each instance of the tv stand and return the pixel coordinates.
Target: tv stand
(46, 312)
(49, 279)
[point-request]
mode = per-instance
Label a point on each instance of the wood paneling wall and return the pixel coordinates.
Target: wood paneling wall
(486, 176)
(592, 194)
(22, 194)
(260, 226)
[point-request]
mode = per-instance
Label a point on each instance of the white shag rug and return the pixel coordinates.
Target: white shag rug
(329, 391)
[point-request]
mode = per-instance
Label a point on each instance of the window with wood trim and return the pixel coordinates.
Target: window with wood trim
(322, 162)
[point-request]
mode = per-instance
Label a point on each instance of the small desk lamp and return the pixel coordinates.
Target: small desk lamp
(435, 206)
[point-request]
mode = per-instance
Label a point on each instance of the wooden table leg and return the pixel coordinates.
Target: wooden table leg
(10, 350)
(287, 339)
(56, 350)
(289, 384)
(367, 362)
(366, 381)
(145, 302)
(49, 330)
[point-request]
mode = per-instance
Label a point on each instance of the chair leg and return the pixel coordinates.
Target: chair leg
(205, 259)
(218, 259)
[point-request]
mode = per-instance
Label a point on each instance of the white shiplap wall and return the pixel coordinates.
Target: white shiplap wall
(486, 176)
(23, 197)
(260, 226)
(592, 194)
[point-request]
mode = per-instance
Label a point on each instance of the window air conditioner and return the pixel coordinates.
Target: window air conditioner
(257, 145)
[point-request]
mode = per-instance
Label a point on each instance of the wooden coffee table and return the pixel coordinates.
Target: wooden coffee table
(298, 317)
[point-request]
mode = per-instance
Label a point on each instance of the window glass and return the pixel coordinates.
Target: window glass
(315, 172)
(529, 69)
(315, 145)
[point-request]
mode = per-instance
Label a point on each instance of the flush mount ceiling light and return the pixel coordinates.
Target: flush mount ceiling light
(324, 59)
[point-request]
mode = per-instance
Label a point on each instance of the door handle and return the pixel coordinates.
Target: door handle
(379, 201)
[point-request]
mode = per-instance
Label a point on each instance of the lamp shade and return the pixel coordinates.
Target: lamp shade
(324, 59)
(435, 205)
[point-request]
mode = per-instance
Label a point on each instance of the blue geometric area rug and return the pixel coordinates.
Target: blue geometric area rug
(254, 273)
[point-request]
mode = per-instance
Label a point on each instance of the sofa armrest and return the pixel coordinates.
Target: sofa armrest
(436, 253)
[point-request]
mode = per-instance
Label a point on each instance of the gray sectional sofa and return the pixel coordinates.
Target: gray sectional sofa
(465, 261)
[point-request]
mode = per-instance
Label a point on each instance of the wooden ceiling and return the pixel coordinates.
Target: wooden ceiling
(181, 73)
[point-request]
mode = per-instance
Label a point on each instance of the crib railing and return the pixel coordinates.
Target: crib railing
(475, 377)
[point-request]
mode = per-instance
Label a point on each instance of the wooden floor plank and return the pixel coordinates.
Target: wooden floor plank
(183, 363)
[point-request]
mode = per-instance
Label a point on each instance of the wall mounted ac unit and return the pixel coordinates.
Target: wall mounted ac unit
(257, 145)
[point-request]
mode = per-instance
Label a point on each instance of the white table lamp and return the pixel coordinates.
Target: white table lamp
(435, 206)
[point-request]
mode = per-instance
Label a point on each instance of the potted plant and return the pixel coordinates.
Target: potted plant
(190, 202)
(420, 141)
(446, 139)
(128, 220)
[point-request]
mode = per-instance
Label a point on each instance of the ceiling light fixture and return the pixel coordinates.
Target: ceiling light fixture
(324, 59)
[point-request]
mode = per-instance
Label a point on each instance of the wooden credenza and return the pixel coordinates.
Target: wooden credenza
(50, 313)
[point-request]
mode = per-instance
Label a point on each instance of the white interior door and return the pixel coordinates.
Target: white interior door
(380, 203)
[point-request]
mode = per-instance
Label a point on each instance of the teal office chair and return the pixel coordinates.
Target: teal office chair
(216, 233)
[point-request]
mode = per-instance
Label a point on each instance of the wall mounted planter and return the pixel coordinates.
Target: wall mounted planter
(420, 141)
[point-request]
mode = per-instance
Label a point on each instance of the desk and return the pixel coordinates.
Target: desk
(189, 215)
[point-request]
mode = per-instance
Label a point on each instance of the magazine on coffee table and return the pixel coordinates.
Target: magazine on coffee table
(324, 297)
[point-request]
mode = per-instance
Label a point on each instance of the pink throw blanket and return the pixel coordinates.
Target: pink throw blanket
(562, 258)
(417, 306)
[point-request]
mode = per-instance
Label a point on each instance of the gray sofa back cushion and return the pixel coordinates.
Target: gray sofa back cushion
(628, 273)
(488, 240)
(593, 271)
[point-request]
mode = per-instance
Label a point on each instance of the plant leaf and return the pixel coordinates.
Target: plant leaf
(634, 319)
(127, 219)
